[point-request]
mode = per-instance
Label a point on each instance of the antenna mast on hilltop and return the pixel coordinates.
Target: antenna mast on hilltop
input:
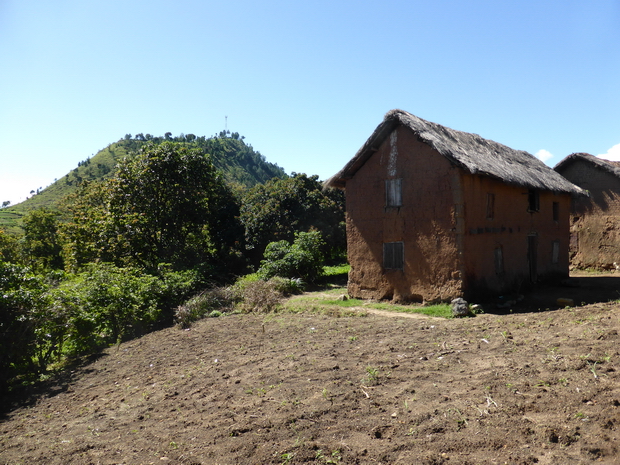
(225, 123)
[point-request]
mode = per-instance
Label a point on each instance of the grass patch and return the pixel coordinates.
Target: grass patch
(438, 310)
(317, 303)
(337, 275)
(343, 303)
(337, 270)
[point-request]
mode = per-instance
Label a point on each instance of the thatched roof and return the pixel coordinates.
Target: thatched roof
(606, 165)
(468, 151)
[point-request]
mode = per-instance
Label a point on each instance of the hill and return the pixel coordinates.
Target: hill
(522, 388)
(240, 164)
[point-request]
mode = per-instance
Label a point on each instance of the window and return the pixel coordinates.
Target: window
(490, 206)
(393, 193)
(499, 260)
(393, 255)
(556, 211)
(533, 200)
(555, 252)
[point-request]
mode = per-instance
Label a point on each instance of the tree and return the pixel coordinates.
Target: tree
(21, 307)
(85, 236)
(278, 209)
(41, 246)
(8, 247)
(6, 203)
(169, 204)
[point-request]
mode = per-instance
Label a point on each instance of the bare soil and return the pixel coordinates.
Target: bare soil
(524, 387)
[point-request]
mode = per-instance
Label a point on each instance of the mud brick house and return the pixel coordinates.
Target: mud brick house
(595, 222)
(434, 213)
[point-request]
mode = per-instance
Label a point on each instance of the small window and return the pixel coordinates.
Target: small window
(393, 255)
(556, 212)
(555, 252)
(393, 193)
(499, 260)
(490, 206)
(533, 200)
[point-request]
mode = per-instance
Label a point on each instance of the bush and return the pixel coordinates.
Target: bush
(260, 296)
(303, 259)
(208, 303)
(22, 317)
(178, 286)
(106, 304)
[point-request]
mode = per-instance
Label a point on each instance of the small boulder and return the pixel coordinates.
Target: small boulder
(460, 308)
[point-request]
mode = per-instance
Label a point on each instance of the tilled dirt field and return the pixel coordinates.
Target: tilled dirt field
(522, 388)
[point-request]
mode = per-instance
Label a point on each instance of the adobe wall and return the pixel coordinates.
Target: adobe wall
(425, 223)
(595, 223)
(507, 227)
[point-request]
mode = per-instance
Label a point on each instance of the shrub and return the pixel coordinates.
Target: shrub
(302, 259)
(260, 296)
(106, 304)
(208, 303)
(22, 316)
(178, 286)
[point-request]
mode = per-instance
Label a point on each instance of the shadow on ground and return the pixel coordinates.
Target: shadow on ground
(579, 290)
(57, 382)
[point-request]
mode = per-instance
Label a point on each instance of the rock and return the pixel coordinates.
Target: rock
(460, 307)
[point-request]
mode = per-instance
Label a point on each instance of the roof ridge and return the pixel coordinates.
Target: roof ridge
(469, 151)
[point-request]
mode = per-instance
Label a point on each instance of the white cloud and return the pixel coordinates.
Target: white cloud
(612, 154)
(543, 155)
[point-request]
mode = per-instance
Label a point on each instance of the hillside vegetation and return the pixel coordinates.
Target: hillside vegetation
(240, 164)
(123, 252)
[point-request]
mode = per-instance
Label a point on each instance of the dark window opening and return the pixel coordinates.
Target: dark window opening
(556, 211)
(393, 193)
(533, 200)
(490, 206)
(393, 255)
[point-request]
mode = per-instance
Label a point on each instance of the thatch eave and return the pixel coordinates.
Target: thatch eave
(467, 151)
(596, 162)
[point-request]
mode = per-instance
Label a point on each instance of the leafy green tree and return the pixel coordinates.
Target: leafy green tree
(170, 205)
(40, 245)
(22, 305)
(278, 209)
(9, 248)
(86, 235)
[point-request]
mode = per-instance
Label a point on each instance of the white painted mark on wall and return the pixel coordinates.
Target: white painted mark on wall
(393, 155)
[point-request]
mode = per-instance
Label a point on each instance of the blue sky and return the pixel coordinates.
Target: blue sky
(306, 83)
